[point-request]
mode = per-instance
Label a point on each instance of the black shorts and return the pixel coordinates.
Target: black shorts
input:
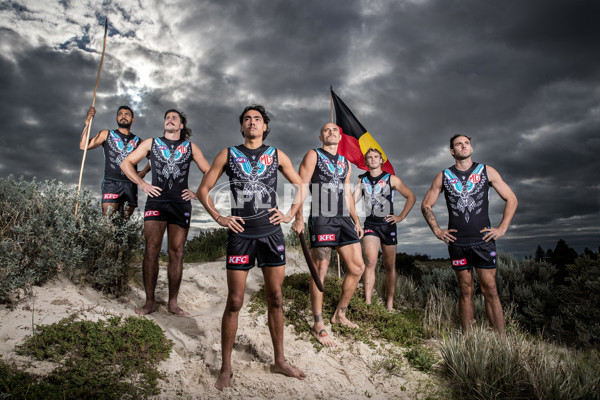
(119, 192)
(331, 231)
(173, 213)
(476, 255)
(385, 232)
(243, 250)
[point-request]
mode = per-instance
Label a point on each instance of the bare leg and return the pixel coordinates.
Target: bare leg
(153, 232)
(273, 280)
(109, 209)
(389, 263)
(321, 257)
(351, 254)
(493, 307)
(466, 308)
(176, 241)
(236, 285)
(128, 211)
(371, 249)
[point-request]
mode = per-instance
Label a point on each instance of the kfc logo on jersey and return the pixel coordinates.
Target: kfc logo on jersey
(152, 213)
(238, 259)
(459, 263)
(182, 149)
(266, 159)
(453, 181)
(475, 178)
(110, 196)
(329, 237)
(241, 159)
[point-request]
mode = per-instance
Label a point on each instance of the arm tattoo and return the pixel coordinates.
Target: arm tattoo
(322, 253)
(430, 218)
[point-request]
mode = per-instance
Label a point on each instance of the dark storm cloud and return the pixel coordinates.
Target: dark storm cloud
(521, 78)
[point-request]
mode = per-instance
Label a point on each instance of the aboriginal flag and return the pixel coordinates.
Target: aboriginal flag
(356, 140)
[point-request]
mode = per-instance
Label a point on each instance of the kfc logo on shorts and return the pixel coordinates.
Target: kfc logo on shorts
(238, 259)
(329, 237)
(459, 263)
(266, 159)
(280, 247)
(369, 231)
(152, 213)
(475, 178)
(182, 149)
(241, 159)
(453, 181)
(110, 196)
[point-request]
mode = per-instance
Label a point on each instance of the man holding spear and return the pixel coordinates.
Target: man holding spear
(117, 144)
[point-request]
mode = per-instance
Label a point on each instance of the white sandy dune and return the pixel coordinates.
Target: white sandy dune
(343, 372)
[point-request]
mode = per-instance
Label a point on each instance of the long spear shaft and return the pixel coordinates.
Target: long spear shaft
(89, 127)
(331, 108)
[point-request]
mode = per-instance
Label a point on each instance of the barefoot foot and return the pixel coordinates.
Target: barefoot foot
(224, 380)
(146, 309)
(178, 311)
(339, 318)
(323, 337)
(288, 370)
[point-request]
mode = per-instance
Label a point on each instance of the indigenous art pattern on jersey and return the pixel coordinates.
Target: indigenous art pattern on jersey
(376, 196)
(336, 172)
(118, 150)
(170, 161)
(468, 196)
(257, 182)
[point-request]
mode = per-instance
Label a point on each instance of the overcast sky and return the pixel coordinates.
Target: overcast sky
(520, 77)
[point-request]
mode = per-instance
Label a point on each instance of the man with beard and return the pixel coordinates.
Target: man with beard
(470, 237)
(117, 144)
(168, 206)
(333, 222)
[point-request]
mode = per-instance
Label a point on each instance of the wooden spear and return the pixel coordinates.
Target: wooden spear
(331, 108)
(89, 127)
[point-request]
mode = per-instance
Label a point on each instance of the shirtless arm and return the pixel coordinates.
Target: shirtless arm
(306, 170)
(288, 171)
(208, 182)
(351, 205)
(96, 140)
(357, 194)
(408, 194)
(427, 210)
(509, 209)
(128, 167)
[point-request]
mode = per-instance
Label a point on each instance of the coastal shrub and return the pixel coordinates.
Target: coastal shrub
(108, 359)
(206, 246)
(40, 237)
(484, 365)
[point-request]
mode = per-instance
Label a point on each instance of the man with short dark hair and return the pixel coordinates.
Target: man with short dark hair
(380, 229)
(168, 206)
(470, 237)
(333, 222)
(118, 143)
(254, 230)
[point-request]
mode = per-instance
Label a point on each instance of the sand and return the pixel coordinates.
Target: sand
(343, 372)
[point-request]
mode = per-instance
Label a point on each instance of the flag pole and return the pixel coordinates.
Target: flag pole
(89, 127)
(331, 108)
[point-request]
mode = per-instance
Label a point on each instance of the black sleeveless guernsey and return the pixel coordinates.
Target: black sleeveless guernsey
(378, 197)
(116, 148)
(170, 161)
(327, 185)
(467, 198)
(253, 185)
